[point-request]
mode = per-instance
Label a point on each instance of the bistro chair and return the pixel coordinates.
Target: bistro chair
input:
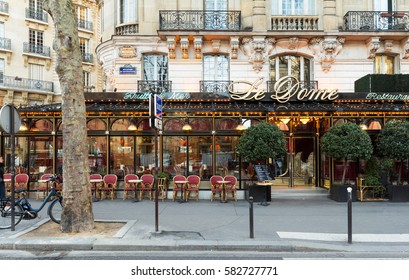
(146, 185)
(43, 187)
(130, 187)
(7, 176)
(192, 186)
(178, 186)
(109, 186)
(162, 188)
(215, 187)
(231, 186)
(21, 181)
(95, 186)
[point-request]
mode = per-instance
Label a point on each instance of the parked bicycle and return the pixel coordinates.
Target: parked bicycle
(23, 209)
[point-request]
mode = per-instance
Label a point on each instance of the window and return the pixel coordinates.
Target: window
(294, 7)
(127, 11)
(297, 66)
(216, 67)
(155, 67)
(1, 71)
(82, 13)
(87, 80)
(216, 5)
(383, 5)
(36, 5)
(385, 64)
(1, 29)
(36, 72)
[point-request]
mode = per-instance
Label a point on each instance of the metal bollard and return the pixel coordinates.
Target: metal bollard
(349, 189)
(251, 217)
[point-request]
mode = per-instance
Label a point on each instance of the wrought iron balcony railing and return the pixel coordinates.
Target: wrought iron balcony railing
(87, 57)
(303, 84)
(37, 49)
(219, 87)
(155, 86)
(17, 82)
(36, 14)
(376, 21)
(5, 44)
(4, 7)
(200, 20)
(84, 24)
(127, 29)
(295, 23)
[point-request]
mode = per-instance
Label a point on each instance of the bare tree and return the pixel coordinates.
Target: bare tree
(77, 215)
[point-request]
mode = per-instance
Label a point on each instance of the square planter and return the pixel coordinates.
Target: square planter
(398, 193)
(259, 193)
(339, 192)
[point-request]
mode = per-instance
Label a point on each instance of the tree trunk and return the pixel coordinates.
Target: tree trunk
(77, 213)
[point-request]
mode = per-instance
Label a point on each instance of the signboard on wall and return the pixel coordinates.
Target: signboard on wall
(127, 69)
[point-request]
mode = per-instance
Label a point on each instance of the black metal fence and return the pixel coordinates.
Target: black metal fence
(18, 82)
(376, 21)
(154, 86)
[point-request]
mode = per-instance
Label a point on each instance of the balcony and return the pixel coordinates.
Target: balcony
(127, 29)
(200, 20)
(218, 87)
(84, 24)
(4, 7)
(36, 49)
(87, 57)
(303, 85)
(294, 23)
(5, 44)
(154, 86)
(39, 15)
(22, 83)
(376, 21)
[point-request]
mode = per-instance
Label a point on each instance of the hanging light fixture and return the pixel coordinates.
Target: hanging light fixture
(304, 120)
(240, 126)
(285, 120)
(187, 127)
(375, 125)
(282, 126)
(23, 127)
(132, 127)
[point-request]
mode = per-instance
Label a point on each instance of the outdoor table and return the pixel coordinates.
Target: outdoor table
(183, 187)
(95, 182)
(223, 182)
(136, 183)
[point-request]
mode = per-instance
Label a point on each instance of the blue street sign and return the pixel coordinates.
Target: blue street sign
(158, 106)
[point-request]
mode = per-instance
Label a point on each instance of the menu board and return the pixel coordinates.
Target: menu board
(264, 172)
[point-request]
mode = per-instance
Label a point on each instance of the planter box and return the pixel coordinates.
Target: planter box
(398, 193)
(259, 193)
(339, 192)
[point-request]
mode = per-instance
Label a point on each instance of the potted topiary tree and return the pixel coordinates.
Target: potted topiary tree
(393, 143)
(261, 142)
(345, 142)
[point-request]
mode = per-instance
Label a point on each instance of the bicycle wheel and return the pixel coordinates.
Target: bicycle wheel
(5, 214)
(55, 210)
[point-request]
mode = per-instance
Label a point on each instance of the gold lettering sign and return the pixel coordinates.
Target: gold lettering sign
(127, 51)
(284, 89)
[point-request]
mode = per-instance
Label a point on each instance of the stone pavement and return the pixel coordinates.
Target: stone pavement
(295, 220)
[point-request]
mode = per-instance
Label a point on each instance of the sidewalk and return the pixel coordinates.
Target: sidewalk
(295, 220)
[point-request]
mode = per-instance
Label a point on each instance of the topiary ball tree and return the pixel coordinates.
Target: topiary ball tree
(393, 142)
(346, 142)
(262, 141)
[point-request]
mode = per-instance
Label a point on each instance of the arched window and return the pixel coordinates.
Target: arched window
(96, 124)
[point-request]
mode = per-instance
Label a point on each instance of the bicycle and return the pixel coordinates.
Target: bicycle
(23, 209)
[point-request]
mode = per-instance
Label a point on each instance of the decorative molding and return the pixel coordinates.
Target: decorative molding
(257, 49)
(293, 43)
(127, 51)
(171, 46)
(216, 45)
(373, 46)
(405, 48)
(234, 45)
(197, 44)
(388, 45)
(326, 50)
(184, 45)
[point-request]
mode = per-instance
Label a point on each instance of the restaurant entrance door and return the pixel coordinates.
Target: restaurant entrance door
(297, 169)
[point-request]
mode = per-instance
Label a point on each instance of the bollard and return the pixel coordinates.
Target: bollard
(251, 217)
(349, 189)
